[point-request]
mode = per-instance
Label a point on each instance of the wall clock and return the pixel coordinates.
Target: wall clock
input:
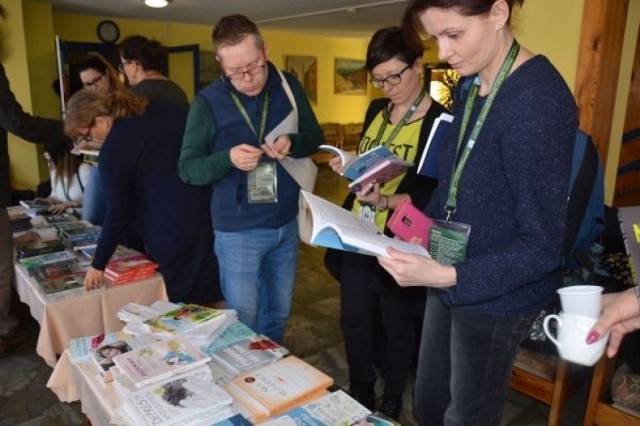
(108, 31)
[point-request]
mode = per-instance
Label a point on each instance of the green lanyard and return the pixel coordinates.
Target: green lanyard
(402, 122)
(245, 115)
(452, 198)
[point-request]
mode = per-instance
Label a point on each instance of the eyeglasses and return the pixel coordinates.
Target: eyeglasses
(92, 83)
(391, 80)
(251, 72)
(86, 136)
(124, 63)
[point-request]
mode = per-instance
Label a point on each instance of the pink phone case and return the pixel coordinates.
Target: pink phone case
(407, 221)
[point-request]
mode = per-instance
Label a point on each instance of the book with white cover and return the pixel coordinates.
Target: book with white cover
(249, 354)
(103, 354)
(182, 401)
(80, 348)
(182, 320)
(336, 408)
(157, 362)
(325, 224)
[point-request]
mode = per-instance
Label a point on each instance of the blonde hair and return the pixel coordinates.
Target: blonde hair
(85, 105)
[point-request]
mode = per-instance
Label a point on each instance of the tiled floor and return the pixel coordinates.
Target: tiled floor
(313, 334)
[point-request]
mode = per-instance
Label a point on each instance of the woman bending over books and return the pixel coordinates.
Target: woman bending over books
(68, 175)
(402, 123)
(138, 175)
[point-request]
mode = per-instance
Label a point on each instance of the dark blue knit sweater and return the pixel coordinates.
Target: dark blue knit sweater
(513, 193)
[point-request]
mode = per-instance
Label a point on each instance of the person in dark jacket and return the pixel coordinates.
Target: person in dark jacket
(32, 129)
(138, 174)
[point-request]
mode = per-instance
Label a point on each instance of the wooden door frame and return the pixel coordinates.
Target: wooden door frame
(601, 40)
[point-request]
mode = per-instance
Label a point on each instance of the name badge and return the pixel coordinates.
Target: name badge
(448, 241)
(262, 183)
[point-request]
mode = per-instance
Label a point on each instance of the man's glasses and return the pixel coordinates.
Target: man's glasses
(124, 63)
(391, 80)
(251, 71)
(93, 82)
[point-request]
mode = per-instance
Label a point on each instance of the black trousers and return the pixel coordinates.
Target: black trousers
(370, 298)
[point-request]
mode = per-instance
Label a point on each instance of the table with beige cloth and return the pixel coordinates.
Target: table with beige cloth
(86, 314)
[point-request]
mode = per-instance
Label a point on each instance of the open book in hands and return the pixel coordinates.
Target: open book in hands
(325, 224)
(377, 165)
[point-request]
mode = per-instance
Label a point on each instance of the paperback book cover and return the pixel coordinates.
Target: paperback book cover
(81, 348)
(334, 409)
(183, 319)
(234, 333)
(249, 354)
(103, 354)
(60, 258)
(278, 387)
(325, 224)
(62, 283)
(38, 248)
(378, 164)
(160, 361)
(36, 205)
(56, 270)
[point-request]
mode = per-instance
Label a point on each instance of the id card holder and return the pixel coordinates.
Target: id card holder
(448, 241)
(262, 183)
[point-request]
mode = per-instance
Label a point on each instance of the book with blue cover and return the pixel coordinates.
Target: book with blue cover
(428, 165)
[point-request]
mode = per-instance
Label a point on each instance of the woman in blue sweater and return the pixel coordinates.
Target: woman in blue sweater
(138, 164)
(504, 173)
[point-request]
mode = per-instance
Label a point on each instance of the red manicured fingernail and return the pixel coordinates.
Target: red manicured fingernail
(592, 337)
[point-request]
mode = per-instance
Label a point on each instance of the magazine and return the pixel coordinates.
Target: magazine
(325, 224)
(377, 165)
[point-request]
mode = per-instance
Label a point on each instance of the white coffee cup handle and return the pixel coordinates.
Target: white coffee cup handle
(545, 326)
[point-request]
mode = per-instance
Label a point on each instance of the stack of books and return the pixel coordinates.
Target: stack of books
(79, 234)
(278, 387)
(248, 354)
(19, 222)
(103, 354)
(131, 269)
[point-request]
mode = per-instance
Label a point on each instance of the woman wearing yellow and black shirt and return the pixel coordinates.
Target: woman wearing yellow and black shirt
(401, 122)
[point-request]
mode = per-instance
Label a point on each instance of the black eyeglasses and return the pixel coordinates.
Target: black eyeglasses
(391, 80)
(92, 83)
(252, 72)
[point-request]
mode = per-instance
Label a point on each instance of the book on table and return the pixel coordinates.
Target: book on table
(130, 269)
(37, 205)
(183, 320)
(377, 165)
(325, 224)
(278, 387)
(160, 361)
(248, 354)
(80, 348)
(63, 286)
(234, 420)
(37, 248)
(103, 354)
(32, 264)
(335, 408)
(235, 332)
(192, 399)
(428, 165)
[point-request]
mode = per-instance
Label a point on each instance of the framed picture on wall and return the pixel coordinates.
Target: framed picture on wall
(305, 69)
(209, 68)
(350, 77)
(440, 81)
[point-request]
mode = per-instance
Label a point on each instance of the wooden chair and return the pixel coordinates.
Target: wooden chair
(542, 377)
(600, 410)
(332, 136)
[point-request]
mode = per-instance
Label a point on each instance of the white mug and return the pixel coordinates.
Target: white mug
(572, 338)
(584, 300)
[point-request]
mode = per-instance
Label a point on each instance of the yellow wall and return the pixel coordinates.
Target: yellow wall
(28, 61)
(330, 107)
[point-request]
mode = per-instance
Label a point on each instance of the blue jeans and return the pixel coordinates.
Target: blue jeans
(93, 203)
(257, 275)
(465, 364)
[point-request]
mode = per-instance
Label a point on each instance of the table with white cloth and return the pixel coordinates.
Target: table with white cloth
(85, 314)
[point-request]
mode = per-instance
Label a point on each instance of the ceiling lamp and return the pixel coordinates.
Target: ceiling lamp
(156, 3)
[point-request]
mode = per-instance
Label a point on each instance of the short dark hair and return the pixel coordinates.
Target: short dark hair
(232, 29)
(151, 54)
(391, 42)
